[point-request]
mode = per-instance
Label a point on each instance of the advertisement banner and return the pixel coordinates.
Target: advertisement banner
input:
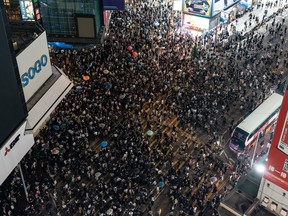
(198, 7)
(283, 144)
(220, 5)
(114, 4)
(106, 16)
(14, 150)
(277, 164)
(27, 10)
(34, 66)
(195, 22)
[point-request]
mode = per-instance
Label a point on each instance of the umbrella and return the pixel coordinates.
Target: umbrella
(122, 96)
(56, 127)
(101, 125)
(59, 55)
(129, 48)
(136, 171)
(78, 89)
(63, 126)
(156, 24)
(107, 85)
(149, 133)
(134, 54)
(109, 212)
(86, 78)
(97, 175)
(104, 143)
(106, 71)
(161, 184)
(213, 180)
(55, 151)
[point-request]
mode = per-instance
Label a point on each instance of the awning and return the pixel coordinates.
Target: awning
(244, 4)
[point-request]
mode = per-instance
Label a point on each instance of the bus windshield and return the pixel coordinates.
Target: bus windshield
(238, 139)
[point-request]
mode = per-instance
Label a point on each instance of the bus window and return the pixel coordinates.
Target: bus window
(238, 139)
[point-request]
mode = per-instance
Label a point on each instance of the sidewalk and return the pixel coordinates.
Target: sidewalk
(258, 13)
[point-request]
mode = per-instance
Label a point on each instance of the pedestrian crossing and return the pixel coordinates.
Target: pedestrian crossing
(183, 135)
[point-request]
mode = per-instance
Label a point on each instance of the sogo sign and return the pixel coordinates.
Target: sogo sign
(32, 71)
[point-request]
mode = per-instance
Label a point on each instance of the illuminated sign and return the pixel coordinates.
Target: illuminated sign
(27, 10)
(32, 71)
(198, 7)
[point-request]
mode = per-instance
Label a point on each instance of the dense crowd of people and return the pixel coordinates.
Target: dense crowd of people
(146, 72)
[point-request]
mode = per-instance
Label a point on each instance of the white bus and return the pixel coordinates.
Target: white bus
(245, 134)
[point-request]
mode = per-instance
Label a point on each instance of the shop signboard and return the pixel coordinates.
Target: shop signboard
(34, 65)
(196, 23)
(277, 164)
(12, 152)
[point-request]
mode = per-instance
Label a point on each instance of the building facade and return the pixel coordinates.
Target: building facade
(65, 20)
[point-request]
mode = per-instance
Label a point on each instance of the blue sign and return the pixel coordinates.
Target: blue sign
(114, 4)
(32, 71)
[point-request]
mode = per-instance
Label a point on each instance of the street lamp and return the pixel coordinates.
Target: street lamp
(260, 168)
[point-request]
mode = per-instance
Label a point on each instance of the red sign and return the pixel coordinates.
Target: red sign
(12, 144)
(283, 144)
(277, 165)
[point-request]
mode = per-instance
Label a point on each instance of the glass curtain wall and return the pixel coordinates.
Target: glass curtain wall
(58, 16)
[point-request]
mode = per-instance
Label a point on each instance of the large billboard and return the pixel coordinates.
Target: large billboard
(27, 10)
(114, 4)
(14, 150)
(34, 66)
(277, 165)
(220, 5)
(13, 107)
(198, 7)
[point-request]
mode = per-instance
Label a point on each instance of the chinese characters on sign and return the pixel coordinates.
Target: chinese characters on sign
(283, 144)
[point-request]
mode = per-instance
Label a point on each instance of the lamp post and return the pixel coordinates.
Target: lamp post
(23, 181)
